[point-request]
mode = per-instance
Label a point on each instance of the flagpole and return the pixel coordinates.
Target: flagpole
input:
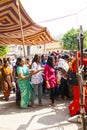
(22, 34)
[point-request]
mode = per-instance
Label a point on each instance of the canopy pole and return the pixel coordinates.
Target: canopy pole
(22, 35)
(44, 49)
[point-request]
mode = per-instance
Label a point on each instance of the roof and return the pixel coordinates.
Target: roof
(10, 30)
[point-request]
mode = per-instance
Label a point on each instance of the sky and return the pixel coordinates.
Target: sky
(58, 16)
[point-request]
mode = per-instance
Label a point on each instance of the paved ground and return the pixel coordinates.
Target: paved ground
(40, 118)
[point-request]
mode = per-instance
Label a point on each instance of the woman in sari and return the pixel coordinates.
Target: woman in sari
(24, 83)
(15, 76)
(6, 80)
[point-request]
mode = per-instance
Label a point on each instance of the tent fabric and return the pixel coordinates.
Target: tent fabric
(10, 30)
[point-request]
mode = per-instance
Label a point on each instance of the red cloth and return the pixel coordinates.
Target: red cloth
(85, 87)
(79, 54)
(74, 67)
(85, 61)
(74, 64)
(76, 92)
(74, 106)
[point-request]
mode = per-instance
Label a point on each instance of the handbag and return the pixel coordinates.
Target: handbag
(72, 78)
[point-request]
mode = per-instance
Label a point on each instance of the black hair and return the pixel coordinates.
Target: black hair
(50, 61)
(19, 59)
(65, 56)
(35, 59)
(27, 59)
(5, 61)
(1, 60)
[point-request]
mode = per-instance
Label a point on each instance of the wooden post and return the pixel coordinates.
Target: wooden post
(44, 49)
(22, 35)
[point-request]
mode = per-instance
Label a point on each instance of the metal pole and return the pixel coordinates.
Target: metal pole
(81, 44)
(78, 44)
(22, 35)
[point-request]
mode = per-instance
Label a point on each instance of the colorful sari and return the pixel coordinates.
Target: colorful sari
(6, 81)
(18, 98)
(25, 87)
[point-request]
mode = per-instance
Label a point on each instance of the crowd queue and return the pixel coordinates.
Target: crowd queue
(55, 74)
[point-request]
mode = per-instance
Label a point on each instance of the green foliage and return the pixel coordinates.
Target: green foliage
(3, 50)
(69, 40)
(85, 39)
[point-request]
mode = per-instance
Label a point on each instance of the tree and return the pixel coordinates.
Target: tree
(69, 40)
(85, 39)
(3, 50)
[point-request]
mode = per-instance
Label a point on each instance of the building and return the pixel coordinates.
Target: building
(44, 48)
(17, 50)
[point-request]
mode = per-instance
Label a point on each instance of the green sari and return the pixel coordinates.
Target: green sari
(25, 86)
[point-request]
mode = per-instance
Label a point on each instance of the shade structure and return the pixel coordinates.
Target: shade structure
(10, 31)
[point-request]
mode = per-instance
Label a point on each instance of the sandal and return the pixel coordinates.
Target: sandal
(54, 105)
(33, 106)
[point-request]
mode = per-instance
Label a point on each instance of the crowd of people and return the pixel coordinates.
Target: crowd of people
(55, 74)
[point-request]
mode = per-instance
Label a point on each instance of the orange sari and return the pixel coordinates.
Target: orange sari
(6, 79)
